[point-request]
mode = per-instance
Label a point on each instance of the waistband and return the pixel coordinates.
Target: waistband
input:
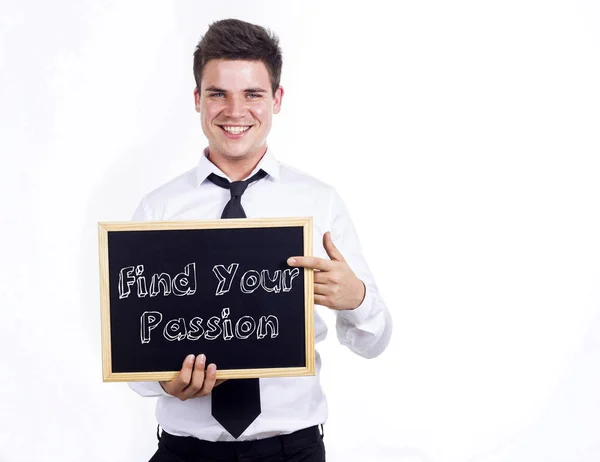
(187, 446)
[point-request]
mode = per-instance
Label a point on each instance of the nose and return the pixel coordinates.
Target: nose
(236, 107)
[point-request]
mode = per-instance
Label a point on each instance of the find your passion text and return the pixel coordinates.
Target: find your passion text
(184, 284)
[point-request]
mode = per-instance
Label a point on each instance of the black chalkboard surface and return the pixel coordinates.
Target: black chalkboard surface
(222, 288)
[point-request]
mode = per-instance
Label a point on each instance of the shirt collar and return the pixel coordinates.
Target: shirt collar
(268, 163)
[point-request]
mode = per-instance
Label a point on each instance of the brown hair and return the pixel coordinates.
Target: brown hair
(233, 39)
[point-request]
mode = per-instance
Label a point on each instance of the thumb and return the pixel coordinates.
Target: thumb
(331, 249)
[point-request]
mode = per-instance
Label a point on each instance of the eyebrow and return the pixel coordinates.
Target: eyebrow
(247, 90)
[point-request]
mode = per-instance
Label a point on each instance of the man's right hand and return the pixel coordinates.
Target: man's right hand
(193, 381)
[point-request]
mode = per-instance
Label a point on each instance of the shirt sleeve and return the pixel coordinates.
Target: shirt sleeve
(147, 389)
(143, 213)
(367, 329)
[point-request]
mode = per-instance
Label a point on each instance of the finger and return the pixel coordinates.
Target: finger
(321, 264)
(331, 249)
(322, 277)
(184, 377)
(197, 378)
(209, 380)
(331, 278)
(321, 289)
(321, 300)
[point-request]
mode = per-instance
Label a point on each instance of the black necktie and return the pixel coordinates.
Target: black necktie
(236, 402)
(233, 208)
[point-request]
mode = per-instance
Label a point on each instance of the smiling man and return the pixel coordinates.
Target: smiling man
(236, 103)
(237, 68)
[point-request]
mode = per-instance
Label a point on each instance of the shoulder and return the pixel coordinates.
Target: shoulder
(154, 204)
(181, 184)
(299, 179)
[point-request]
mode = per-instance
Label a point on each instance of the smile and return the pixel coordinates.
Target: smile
(235, 129)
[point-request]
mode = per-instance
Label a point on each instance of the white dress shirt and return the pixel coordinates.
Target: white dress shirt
(290, 403)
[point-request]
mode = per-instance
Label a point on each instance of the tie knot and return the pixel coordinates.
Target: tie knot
(237, 188)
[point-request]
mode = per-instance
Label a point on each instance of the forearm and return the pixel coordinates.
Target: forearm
(367, 329)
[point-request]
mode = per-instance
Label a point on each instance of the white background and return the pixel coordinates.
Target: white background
(464, 138)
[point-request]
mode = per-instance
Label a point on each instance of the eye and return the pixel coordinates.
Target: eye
(217, 94)
(254, 95)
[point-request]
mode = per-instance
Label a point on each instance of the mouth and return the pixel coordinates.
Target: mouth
(235, 131)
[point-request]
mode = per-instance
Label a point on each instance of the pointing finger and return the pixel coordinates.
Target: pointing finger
(321, 264)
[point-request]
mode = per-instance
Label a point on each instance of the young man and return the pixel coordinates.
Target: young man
(237, 67)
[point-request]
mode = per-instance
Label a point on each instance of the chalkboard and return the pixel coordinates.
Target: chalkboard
(221, 287)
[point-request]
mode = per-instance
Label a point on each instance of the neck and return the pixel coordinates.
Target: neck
(236, 168)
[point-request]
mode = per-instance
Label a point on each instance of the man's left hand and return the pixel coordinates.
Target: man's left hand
(336, 285)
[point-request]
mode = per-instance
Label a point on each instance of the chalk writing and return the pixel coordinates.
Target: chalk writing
(177, 329)
(185, 284)
(181, 284)
(225, 277)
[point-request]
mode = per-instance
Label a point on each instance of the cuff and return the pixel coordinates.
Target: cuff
(148, 388)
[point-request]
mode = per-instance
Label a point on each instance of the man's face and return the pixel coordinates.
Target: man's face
(236, 107)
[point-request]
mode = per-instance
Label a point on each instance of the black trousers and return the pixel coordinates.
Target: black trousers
(301, 446)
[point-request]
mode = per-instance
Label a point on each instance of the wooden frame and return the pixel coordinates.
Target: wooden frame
(105, 227)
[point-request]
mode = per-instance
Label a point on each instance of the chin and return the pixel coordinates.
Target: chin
(234, 153)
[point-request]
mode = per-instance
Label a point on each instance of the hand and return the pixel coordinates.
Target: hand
(336, 285)
(193, 381)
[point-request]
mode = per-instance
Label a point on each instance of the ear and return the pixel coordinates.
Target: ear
(277, 100)
(197, 99)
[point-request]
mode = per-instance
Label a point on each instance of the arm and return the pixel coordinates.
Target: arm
(345, 284)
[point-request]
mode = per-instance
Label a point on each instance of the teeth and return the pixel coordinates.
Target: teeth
(235, 130)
